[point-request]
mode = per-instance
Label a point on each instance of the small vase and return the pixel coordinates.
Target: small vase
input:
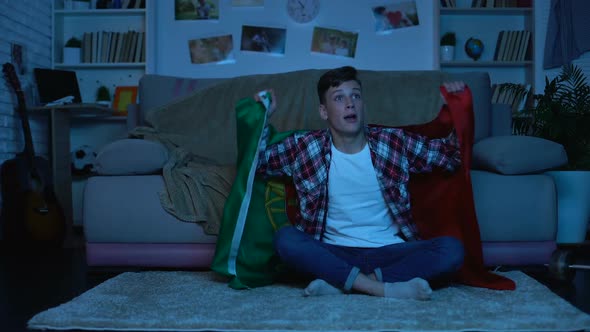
(72, 55)
(447, 53)
(573, 204)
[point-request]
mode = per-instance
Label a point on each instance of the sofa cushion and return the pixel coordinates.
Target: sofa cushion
(131, 157)
(513, 154)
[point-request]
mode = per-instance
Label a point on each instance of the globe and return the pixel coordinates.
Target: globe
(474, 48)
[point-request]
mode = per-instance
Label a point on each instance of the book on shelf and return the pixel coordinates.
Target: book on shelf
(517, 101)
(513, 3)
(513, 45)
(447, 3)
(112, 46)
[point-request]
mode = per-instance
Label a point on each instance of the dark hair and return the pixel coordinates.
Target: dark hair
(334, 78)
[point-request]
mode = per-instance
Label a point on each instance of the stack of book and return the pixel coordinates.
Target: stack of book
(448, 3)
(502, 95)
(513, 45)
(112, 46)
(500, 3)
(490, 3)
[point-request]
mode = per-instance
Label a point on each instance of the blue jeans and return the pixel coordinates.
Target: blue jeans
(432, 259)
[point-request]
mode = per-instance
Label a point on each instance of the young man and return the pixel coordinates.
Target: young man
(354, 229)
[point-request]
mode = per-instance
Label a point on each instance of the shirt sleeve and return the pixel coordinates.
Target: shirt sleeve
(424, 153)
(279, 155)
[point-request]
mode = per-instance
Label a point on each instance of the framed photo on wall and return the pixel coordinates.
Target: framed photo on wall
(334, 42)
(196, 9)
(218, 49)
(124, 95)
(263, 39)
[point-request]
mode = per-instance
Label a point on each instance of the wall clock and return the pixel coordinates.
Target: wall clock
(303, 11)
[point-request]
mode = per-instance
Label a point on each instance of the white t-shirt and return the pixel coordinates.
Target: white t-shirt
(357, 213)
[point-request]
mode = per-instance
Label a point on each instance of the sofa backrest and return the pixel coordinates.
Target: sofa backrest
(480, 85)
(158, 90)
(391, 98)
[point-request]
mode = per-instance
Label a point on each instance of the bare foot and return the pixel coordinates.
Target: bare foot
(415, 289)
(319, 287)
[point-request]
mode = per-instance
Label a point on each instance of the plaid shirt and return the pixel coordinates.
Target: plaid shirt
(305, 157)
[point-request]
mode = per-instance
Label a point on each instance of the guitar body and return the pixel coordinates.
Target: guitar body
(31, 214)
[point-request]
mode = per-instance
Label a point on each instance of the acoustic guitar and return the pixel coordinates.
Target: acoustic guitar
(31, 214)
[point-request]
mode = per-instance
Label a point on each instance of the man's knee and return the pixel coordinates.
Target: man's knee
(453, 251)
(285, 240)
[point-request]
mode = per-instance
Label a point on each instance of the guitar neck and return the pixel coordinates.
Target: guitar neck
(12, 78)
(29, 147)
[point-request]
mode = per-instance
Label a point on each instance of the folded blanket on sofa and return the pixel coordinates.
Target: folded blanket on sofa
(442, 204)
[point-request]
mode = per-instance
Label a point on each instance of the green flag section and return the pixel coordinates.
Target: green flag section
(254, 210)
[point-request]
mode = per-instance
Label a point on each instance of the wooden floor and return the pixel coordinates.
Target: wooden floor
(33, 282)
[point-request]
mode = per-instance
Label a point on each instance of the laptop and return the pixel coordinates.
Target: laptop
(53, 84)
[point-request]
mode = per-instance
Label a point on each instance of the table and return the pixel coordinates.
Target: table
(59, 149)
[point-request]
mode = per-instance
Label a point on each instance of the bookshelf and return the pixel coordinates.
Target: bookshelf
(486, 20)
(97, 131)
(98, 30)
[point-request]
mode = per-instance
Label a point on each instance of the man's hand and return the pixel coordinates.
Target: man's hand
(453, 87)
(268, 93)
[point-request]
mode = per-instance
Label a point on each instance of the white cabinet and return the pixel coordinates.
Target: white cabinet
(486, 24)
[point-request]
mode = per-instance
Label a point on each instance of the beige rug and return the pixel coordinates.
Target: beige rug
(200, 301)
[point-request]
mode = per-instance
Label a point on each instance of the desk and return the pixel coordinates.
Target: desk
(59, 148)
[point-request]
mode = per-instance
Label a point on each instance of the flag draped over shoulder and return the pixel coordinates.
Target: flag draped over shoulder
(442, 203)
(255, 208)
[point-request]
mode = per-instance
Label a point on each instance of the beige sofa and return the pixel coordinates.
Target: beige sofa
(127, 221)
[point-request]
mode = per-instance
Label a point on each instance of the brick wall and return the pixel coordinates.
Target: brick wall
(28, 23)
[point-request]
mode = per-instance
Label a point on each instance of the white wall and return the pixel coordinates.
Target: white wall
(407, 48)
(28, 23)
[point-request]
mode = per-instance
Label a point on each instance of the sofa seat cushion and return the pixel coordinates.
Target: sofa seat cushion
(127, 209)
(519, 208)
(131, 157)
(512, 154)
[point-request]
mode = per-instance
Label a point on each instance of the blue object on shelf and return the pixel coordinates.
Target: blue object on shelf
(474, 48)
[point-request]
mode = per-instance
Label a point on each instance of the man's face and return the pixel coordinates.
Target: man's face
(343, 109)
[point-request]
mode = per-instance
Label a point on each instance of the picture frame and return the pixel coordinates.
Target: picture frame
(196, 10)
(124, 95)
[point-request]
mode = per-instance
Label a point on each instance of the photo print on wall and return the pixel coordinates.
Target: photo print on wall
(196, 9)
(334, 42)
(395, 16)
(263, 39)
(217, 49)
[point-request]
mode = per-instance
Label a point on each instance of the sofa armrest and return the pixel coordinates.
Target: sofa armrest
(501, 120)
(516, 154)
(131, 156)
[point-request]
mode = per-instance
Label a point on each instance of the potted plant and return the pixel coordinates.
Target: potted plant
(562, 114)
(72, 51)
(447, 46)
(103, 96)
